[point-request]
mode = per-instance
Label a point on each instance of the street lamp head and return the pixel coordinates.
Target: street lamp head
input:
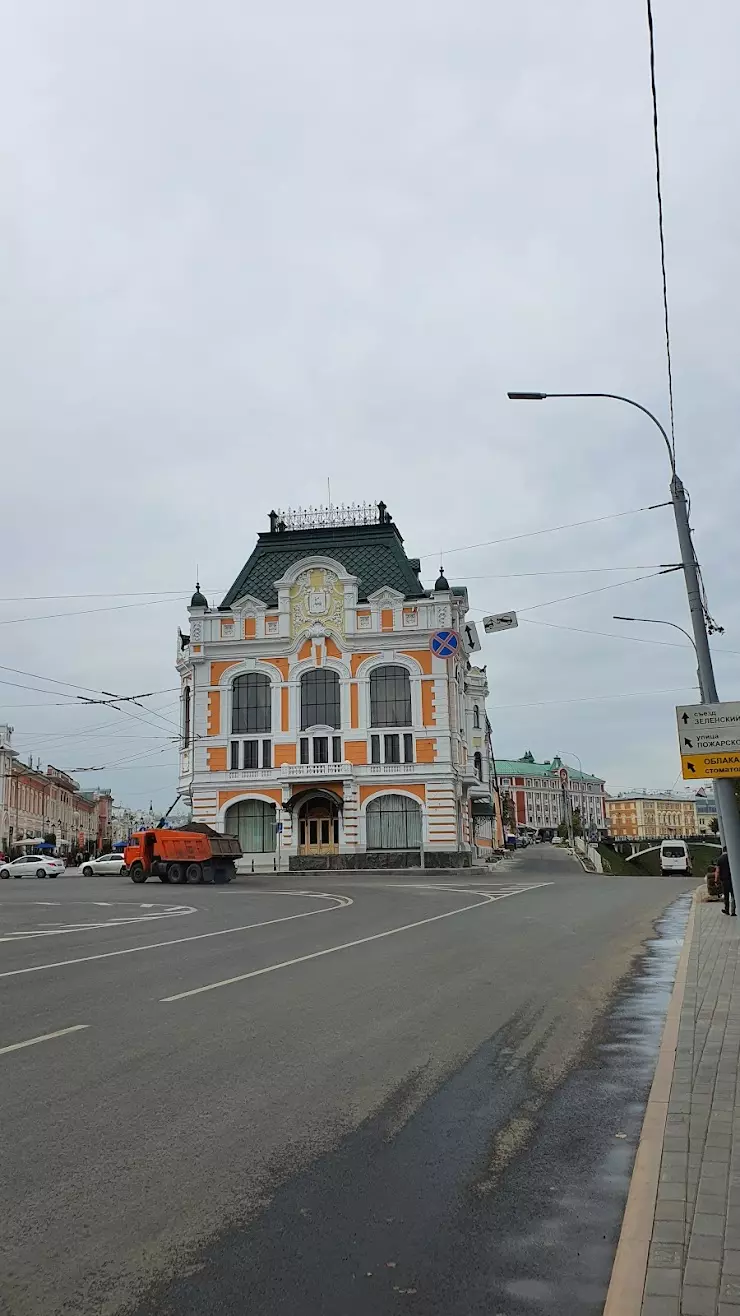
(526, 397)
(617, 617)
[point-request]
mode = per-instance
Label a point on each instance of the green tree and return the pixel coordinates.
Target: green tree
(714, 826)
(563, 832)
(577, 823)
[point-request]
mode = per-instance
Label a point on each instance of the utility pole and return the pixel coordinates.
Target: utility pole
(724, 791)
(723, 787)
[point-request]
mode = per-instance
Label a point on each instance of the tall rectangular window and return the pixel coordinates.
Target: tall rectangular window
(251, 748)
(391, 749)
(390, 697)
(336, 749)
(266, 754)
(251, 700)
(321, 749)
(304, 749)
(234, 755)
(375, 749)
(320, 698)
(408, 748)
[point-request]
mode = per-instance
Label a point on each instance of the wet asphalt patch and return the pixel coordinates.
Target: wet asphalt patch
(495, 1198)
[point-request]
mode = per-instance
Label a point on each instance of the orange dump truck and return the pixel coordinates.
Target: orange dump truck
(193, 854)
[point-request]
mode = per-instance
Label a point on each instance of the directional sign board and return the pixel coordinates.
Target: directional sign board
(500, 621)
(709, 739)
(696, 766)
(445, 644)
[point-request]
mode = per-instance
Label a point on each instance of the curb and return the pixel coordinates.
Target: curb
(627, 1283)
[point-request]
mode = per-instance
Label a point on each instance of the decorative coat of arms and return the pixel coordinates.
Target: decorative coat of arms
(317, 596)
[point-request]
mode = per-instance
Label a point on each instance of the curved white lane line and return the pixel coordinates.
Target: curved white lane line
(341, 903)
(174, 912)
(488, 899)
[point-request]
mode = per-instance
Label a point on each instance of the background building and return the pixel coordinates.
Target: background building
(706, 812)
(49, 804)
(540, 793)
(317, 723)
(653, 816)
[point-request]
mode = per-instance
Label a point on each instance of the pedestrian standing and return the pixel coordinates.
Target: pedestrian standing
(725, 877)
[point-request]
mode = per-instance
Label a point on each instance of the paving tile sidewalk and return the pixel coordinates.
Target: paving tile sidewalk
(694, 1260)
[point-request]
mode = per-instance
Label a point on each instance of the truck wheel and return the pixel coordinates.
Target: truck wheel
(193, 873)
(176, 874)
(136, 872)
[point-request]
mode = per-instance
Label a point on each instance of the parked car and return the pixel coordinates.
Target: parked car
(28, 865)
(105, 863)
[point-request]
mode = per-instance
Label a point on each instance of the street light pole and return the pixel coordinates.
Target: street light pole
(724, 791)
(655, 621)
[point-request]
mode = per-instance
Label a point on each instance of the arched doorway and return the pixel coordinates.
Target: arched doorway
(318, 827)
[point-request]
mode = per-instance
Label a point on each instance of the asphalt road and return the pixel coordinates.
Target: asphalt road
(363, 1094)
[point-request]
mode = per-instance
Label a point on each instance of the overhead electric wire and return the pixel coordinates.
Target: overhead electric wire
(86, 612)
(90, 689)
(601, 589)
(98, 594)
(547, 530)
(595, 699)
(569, 571)
(128, 758)
(661, 232)
(615, 635)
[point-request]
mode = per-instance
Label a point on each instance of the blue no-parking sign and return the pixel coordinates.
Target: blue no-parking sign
(444, 644)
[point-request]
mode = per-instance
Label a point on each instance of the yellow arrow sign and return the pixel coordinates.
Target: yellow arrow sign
(696, 766)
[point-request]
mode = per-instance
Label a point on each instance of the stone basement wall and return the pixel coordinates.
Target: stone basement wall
(379, 859)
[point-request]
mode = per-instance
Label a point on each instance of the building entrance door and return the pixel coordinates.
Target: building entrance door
(319, 829)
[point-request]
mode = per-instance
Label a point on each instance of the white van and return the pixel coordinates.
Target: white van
(674, 858)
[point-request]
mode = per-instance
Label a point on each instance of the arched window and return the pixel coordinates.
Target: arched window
(390, 697)
(186, 717)
(253, 822)
(478, 765)
(320, 698)
(476, 715)
(250, 703)
(393, 823)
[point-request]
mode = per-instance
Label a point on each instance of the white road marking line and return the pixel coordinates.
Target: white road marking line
(168, 912)
(488, 899)
(47, 903)
(45, 1037)
(342, 903)
(103, 904)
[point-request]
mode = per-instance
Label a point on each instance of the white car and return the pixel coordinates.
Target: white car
(29, 865)
(105, 863)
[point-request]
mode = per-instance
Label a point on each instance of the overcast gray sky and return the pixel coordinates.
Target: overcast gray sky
(247, 247)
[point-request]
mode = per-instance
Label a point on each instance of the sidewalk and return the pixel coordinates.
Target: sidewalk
(681, 1231)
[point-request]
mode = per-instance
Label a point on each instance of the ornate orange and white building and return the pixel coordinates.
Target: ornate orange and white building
(318, 724)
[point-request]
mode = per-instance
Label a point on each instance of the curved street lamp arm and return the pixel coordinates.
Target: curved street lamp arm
(654, 621)
(616, 397)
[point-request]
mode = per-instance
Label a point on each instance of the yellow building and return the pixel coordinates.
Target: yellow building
(651, 817)
(318, 723)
